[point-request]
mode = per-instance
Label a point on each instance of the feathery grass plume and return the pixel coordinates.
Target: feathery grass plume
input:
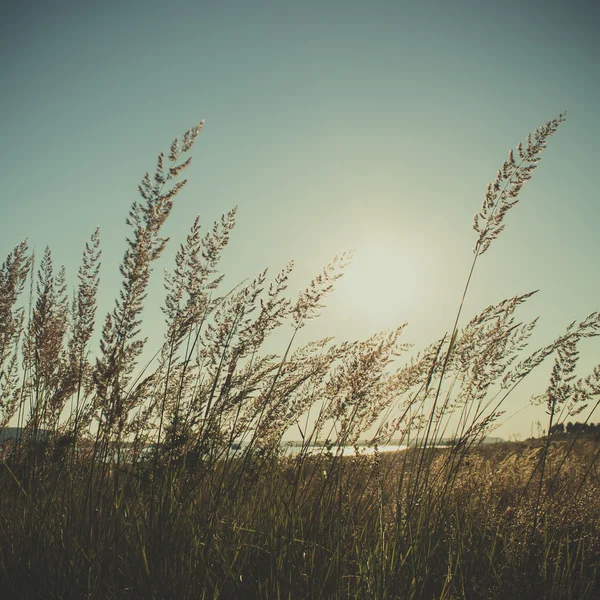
(311, 299)
(358, 389)
(561, 392)
(245, 346)
(188, 303)
(273, 312)
(83, 314)
(222, 334)
(583, 394)
(502, 195)
(234, 338)
(575, 332)
(307, 306)
(61, 387)
(198, 400)
(83, 309)
(484, 351)
(567, 396)
(401, 399)
(265, 419)
(289, 391)
(44, 352)
(558, 394)
(561, 387)
(13, 274)
(585, 391)
(189, 287)
(120, 345)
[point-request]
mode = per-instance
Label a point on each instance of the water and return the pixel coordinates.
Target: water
(291, 450)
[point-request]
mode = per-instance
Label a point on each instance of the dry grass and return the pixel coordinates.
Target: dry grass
(123, 482)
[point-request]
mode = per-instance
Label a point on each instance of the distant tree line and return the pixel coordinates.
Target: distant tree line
(580, 429)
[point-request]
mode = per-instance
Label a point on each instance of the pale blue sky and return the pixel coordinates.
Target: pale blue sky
(334, 125)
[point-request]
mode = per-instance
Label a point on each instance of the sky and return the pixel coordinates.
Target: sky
(334, 125)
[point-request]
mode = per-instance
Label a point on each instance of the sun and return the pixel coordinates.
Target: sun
(386, 283)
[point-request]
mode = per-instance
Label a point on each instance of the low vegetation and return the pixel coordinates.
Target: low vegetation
(169, 480)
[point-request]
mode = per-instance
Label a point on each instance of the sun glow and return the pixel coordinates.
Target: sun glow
(386, 284)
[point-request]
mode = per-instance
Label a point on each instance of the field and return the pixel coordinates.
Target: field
(122, 483)
(444, 524)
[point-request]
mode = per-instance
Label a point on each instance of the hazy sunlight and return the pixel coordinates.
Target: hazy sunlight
(386, 283)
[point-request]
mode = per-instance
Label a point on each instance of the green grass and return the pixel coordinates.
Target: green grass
(320, 527)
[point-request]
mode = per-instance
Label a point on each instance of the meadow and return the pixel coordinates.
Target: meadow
(122, 481)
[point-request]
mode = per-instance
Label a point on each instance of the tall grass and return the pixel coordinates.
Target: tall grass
(168, 479)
